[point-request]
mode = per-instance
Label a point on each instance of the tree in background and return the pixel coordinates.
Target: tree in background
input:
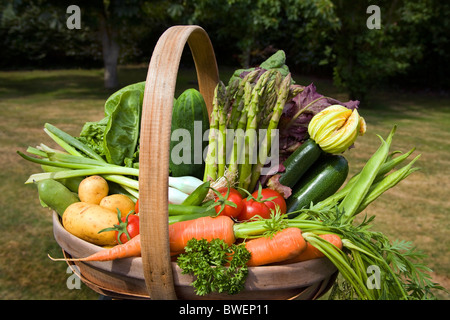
(363, 58)
(426, 25)
(34, 33)
(256, 28)
(117, 23)
(333, 35)
(327, 36)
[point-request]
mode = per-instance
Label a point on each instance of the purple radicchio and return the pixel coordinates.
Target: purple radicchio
(293, 127)
(297, 114)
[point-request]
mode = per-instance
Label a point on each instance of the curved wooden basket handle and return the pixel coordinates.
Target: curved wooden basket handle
(155, 142)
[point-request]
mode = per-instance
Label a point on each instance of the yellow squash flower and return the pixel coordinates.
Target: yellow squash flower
(336, 128)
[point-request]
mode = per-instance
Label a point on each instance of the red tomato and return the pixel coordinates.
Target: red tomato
(277, 199)
(130, 223)
(253, 208)
(225, 204)
(262, 203)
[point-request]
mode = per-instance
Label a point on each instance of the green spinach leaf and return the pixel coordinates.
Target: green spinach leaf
(113, 100)
(121, 135)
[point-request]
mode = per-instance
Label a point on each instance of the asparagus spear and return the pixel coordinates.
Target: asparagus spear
(250, 141)
(210, 161)
(221, 101)
(269, 100)
(283, 93)
(239, 132)
(239, 102)
(231, 94)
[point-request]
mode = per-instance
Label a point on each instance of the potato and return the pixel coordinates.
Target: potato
(85, 220)
(118, 201)
(93, 189)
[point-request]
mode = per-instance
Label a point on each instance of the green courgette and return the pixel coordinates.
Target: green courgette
(299, 162)
(55, 195)
(186, 146)
(323, 179)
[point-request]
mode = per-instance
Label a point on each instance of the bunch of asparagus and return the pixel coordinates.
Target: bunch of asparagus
(243, 126)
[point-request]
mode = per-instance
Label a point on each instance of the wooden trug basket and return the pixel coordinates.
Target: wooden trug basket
(154, 275)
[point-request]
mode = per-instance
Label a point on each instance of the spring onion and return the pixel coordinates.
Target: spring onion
(78, 160)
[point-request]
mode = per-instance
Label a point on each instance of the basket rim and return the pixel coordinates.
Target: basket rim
(296, 275)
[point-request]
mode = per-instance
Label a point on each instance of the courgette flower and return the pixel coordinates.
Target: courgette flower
(336, 128)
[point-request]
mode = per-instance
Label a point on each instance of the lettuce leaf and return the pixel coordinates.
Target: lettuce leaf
(92, 135)
(116, 136)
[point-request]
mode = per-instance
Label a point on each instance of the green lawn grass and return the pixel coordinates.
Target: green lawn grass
(416, 210)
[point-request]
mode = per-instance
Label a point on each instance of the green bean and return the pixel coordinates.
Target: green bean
(388, 182)
(353, 199)
(198, 195)
(390, 164)
(181, 209)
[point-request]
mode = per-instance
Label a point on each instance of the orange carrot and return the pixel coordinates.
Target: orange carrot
(179, 234)
(131, 248)
(284, 245)
(207, 228)
(312, 252)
